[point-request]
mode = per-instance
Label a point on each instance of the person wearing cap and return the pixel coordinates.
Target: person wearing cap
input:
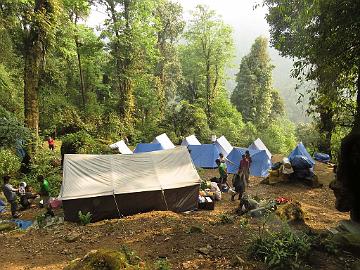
(10, 194)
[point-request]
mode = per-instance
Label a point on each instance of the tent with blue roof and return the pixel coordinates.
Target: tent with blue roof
(259, 145)
(148, 147)
(204, 155)
(260, 165)
(300, 150)
(224, 145)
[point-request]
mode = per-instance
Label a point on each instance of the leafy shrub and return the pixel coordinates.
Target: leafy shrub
(9, 163)
(281, 250)
(82, 143)
(11, 130)
(162, 264)
(102, 259)
(226, 219)
(85, 218)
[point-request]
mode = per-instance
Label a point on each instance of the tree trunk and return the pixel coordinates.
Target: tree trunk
(82, 84)
(326, 128)
(208, 91)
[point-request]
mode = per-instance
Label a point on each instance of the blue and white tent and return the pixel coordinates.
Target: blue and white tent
(164, 140)
(224, 145)
(204, 155)
(147, 147)
(190, 140)
(259, 145)
(300, 150)
(260, 166)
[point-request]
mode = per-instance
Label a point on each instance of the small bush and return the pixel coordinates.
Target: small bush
(162, 264)
(196, 229)
(9, 163)
(281, 250)
(226, 219)
(85, 218)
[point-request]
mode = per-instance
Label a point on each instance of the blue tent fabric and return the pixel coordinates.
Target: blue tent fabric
(300, 162)
(148, 147)
(260, 166)
(301, 150)
(204, 155)
(322, 157)
(22, 224)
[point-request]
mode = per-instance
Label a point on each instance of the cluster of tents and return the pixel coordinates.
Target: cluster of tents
(204, 155)
(155, 176)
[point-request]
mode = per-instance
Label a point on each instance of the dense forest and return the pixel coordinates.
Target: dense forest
(147, 71)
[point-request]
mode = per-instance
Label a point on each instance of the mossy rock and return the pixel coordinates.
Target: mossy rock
(347, 241)
(7, 226)
(291, 212)
(103, 260)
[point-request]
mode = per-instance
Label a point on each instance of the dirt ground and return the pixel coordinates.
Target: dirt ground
(167, 235)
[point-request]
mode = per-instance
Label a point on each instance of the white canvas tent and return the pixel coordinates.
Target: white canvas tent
(164, 140)
(115, 185)
(190, 140)
(224, 145)
(121, 146)
(259, 145)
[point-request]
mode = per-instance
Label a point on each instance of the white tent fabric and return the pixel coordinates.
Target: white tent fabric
(259, 145)
(86, 176)
(164, 140)
(121, 146)
(190, 140)
(224, 145)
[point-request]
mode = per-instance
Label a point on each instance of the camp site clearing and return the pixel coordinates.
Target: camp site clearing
(165, 234)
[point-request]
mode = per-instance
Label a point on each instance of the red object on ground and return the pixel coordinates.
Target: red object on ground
(282, 200)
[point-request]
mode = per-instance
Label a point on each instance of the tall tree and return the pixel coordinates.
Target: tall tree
(254, 95)
(170, 26)
(38, 32)
(208, 50)
(130, 28)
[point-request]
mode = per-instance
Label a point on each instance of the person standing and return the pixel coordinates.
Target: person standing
(51, 143)
(248, 157)
(244, 169)
(44, 193)
(223, 173)
(10, 194)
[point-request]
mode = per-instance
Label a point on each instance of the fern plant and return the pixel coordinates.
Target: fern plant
(85, 218)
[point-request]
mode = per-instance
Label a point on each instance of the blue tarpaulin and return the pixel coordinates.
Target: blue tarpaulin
(322, 157)
(148, 147)
(260, 166)
(204, 155)
(300, 150)
(23, 224)
(300, 162)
